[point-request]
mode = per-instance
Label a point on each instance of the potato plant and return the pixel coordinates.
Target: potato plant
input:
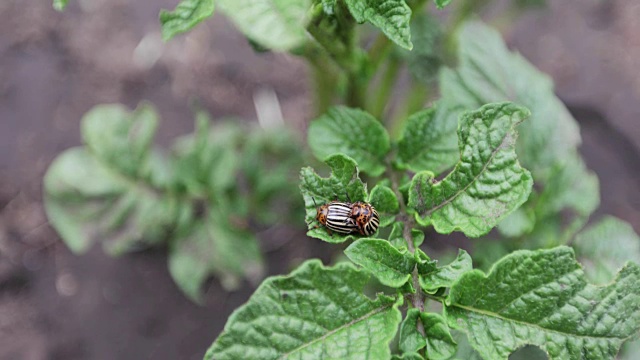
(459, 151)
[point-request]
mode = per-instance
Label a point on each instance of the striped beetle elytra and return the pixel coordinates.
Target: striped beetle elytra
(348, 218)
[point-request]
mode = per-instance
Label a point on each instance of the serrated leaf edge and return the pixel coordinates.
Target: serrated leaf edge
(629, 264)
(505, 141)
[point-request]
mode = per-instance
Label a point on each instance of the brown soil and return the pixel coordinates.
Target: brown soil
(54, 67)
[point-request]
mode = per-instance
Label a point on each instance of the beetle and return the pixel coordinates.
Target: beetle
(366, 217)
(336, 216)
(348, 218)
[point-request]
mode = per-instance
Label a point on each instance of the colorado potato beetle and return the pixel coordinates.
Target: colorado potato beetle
(336, 216)
(366, 218)
(348, 218)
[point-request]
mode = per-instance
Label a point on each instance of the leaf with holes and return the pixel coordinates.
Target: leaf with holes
(316, 312)
(392, 17)
(351, 132)
(187, 14)
(274, 24)
(541, 298)
(486, 185)
(489, 72)
(344, 184)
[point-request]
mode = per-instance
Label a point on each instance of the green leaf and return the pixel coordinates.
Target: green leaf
(112, 190)
(407, 356)
(424, 263)
(392, 17)
(328, 6)
(60, 4)
(487, 183)
(214, 247)
(429, 140)
(385, 202)
(271, 163)
(86, 201)
(605, 246)
(440, 343)
(411, 341)
(570, 186)
(518, 223)
(120, 138)
(489, 72)
(119, 191)
(274, 24)
(630, 350)
(186, 15)
(343, 182)
(392, 267)
(433, 279)
(541, 298)
(207, 161)
(425, 60)
(352, 132)
(396, 238)
(437, 337)
(441, 3)
(315, 313)
(464, 350)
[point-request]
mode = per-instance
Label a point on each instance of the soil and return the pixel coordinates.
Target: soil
(56, 66)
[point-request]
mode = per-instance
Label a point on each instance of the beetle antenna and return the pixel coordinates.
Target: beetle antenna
(347, 193)
(314, 201)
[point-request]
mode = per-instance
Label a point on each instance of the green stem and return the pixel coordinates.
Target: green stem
(356, 91)
(417, 300)
(414, 100)
(378, 51)
(385, 88)
(462, 13)
(324, 76)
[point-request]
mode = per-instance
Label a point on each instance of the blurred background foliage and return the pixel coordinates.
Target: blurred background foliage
(238, 178)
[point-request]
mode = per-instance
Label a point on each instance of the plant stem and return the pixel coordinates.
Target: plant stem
(378, 51)
(417, 299)
(356, 91)
(385, 88)
(324, 76)
(414, 100)
(462, 13)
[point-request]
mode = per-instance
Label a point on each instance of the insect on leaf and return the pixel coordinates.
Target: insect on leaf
(343, 184)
